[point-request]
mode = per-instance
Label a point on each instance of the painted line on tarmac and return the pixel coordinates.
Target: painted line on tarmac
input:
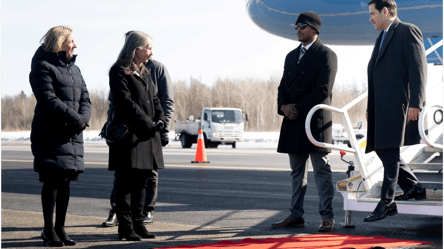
(200, 166)
(18, 161)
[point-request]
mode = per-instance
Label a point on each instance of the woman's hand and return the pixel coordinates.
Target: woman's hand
(81, 125)
(159, 125)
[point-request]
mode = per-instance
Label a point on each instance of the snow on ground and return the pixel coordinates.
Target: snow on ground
(253, 140)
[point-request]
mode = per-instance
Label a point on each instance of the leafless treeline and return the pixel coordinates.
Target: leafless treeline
(258, 98)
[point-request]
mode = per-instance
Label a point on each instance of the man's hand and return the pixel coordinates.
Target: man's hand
(289, 111)
(414, 113)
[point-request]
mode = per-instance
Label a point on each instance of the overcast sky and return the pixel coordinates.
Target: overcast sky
(204, 39)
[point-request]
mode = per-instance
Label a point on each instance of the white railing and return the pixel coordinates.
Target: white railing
(421, 126)
(356, 148)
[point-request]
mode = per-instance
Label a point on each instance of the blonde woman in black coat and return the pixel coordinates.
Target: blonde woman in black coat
(135, 105)
(62, 112)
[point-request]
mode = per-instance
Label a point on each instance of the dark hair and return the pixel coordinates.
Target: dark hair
(389, 4)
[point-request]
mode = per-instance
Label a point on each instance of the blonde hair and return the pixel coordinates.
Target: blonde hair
(133, 40)
(55, 37)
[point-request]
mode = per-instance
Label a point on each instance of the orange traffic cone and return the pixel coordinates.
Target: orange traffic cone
(201, 156)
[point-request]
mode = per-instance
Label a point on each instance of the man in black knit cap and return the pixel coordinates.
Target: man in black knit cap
(309, 75)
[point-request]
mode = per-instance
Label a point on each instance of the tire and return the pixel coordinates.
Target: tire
(233, 145)
(185, 141)
(206, 141)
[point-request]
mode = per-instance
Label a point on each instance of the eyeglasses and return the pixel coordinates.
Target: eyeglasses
(300, 26)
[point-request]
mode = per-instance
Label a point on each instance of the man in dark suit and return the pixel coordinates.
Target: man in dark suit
(309, 75)
(397, 75)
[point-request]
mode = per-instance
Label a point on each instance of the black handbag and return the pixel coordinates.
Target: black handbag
(113, 132)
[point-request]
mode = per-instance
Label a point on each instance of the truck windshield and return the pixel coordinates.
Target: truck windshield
(226, 116)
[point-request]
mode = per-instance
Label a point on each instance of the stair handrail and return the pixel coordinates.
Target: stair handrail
(356, 148)
(421, 126)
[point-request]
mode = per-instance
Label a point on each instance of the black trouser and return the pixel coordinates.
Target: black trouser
(130, 197)
(395, 172)
(150, 192)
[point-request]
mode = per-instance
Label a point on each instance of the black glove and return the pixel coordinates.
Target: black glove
(80, 125)
(164, 139)
(159, 125)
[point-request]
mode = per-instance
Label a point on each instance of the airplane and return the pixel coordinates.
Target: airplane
(347, 22)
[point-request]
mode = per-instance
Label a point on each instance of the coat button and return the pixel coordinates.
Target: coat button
(297, 90)
(148, 101)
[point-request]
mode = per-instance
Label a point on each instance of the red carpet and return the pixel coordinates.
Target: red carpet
(315, 241)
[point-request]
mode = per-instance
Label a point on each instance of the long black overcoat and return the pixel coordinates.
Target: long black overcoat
(136, 105)
(62, 99)
(397, 78)
(307, 84)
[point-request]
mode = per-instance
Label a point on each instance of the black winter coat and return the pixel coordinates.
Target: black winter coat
(135, 105)
(397, 78)
(62, 99)
(307, 84)
(162, 83)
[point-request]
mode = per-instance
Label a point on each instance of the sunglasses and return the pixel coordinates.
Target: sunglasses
(300, 26)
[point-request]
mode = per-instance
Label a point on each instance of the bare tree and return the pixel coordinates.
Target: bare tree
(258, 98)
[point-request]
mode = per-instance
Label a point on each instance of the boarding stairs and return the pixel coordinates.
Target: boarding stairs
(361, 190)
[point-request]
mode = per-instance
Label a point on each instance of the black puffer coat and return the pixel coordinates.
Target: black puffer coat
(62, 99)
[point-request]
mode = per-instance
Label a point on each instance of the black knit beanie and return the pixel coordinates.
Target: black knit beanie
(310, 18)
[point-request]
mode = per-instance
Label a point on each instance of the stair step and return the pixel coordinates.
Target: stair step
(431, 185)
(436, 159)
(432, 166)
(428, 176)
(430, 202)
(429, 149)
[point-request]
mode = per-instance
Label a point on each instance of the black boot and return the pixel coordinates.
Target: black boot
(141, 230)
(128, 234)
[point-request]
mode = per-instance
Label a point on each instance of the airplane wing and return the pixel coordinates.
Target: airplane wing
(346, 22)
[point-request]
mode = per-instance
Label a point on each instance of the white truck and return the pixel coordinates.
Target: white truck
(219, 126)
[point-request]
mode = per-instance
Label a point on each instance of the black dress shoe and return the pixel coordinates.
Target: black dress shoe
(289, 222)
(53, 242)
(67, 241)
(381, 211)
(129, 235)
(111, 221)
(419, 193)
(142, 232)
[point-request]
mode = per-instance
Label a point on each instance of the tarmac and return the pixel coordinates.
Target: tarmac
(21, 229)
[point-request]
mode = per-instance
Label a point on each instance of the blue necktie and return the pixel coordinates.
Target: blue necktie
(382, 38)
(303, 50)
